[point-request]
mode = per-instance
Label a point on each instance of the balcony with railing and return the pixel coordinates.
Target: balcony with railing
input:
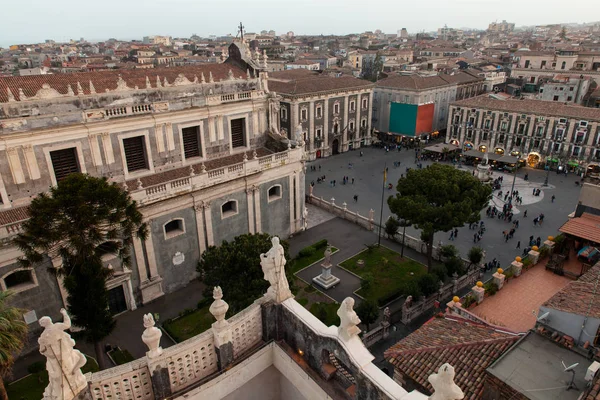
(233, 97)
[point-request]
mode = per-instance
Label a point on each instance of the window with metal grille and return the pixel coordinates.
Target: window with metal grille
(191, 141)
(135, 154)
(237, 132)
(64, 162)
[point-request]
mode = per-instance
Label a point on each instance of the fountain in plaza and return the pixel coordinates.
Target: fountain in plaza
(326, 279)
(483, 169)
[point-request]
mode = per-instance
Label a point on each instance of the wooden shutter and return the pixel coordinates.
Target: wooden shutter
(191, 141)
(237, 132)
(64, 162)
(135, 156)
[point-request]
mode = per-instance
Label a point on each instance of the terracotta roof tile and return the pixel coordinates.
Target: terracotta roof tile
(417, 82)
(103, 80)
(13, 215)
(297, 83)
(586, 227)
(539, 107)
(469, 347)
(579, 297)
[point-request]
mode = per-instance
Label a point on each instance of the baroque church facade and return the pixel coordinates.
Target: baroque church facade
(198, 147)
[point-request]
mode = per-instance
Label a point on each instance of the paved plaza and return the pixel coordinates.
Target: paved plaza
(367, 172)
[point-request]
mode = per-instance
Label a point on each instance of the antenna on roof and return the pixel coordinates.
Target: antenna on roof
(241, 27)
(570, 368)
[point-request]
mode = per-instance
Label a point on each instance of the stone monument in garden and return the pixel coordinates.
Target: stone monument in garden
(483, 169)
(326, 279)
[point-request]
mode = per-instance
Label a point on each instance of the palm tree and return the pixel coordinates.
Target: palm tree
(13, 331)
(79, 221)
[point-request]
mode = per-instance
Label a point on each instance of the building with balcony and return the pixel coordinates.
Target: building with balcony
(540, 131)
(333, 113)
(399, 99)
(188, 143)
(564, 89)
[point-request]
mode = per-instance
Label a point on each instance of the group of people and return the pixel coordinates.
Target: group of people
(314, 167)
(538, 220)
(488, 266)
(480, 228)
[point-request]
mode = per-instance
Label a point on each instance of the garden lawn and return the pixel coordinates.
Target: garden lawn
(189, 325)
(389, 279)
(303, 262)
(326, 312)
(32, 386)
(121, 357)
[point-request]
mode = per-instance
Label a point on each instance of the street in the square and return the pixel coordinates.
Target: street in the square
(365, 181)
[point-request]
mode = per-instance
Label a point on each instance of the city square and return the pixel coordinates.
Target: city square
(367, 173)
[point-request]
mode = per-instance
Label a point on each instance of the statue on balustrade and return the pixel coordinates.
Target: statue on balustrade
(444, 386)
(63, 362)
(273, 266)
(348, 319)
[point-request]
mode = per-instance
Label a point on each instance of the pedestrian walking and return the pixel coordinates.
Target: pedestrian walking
(519, 244)
(455, 232)
(553, 197)
(353, 181)
(356, 198)
(451, 235)
(525, 214)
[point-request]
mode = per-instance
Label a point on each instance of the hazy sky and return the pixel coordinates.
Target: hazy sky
(31, 21)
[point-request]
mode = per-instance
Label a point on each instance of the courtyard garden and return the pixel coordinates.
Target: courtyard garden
(385, 275)
(32, 386)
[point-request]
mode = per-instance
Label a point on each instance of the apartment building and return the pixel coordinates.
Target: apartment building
(537, 130)
(188, 143)
(333, 113)
(397, 99)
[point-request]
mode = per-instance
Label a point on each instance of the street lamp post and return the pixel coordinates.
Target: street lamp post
(547, 169)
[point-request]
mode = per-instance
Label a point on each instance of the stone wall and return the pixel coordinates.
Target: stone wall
(494, 389)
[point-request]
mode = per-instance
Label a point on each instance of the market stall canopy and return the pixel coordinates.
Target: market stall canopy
(508, 159)
(439, 148)
(479, 154)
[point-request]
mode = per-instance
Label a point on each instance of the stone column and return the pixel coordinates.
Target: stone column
(295, 118)
(499, 277)
(138, 251)
(357, 115)
(249, 201)
(292, 194)
(345, 124)
(257, 214)
(151, 257)
(209, 227)
(199, 211)
(325, 127)
(478, 292)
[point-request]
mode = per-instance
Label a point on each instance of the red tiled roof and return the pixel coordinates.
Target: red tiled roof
(416, 82)
(103, 80)
(578, 297)
(538, 107)
(585, 227)
(296, 83)
(469, 347)
(13, 215)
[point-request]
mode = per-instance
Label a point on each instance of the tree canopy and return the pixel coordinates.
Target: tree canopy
(439, 198)
(13, 331)
(235, 266)
(77, 222)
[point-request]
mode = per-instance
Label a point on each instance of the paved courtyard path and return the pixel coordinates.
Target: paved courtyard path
(367, 172)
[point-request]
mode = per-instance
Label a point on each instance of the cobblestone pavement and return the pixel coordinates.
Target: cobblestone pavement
(367, 172)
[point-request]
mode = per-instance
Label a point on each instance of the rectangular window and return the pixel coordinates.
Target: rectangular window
(64, 162)
(135, 154)
(284, 113)
(352, 105)
(503, 126)
(521, 129)
(304, 114)
(555, 98)
(569, 98)
(336, 108)
(501, 139)
(540, 131)
(237, 132)
(543, 64)
(576, 151)
(536, 144)
(365, 103)
(488, 123)
(526, 63)
(191, 141)
(319, 112)
(318, 133)
(571, 89)
(351, 126)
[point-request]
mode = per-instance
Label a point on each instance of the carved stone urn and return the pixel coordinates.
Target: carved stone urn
(151, 337)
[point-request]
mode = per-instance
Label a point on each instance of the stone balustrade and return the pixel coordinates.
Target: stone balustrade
(231, 97)
(131, 381)
(176, 187)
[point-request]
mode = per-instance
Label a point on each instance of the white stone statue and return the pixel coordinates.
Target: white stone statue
(486, 159)
(299, 136)
(305, 215)
(348, 319)
(63, 362)
(273, 263)
(443, 384)
(151, 336)
(327, 255)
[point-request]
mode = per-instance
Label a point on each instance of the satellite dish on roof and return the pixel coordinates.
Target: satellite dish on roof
(570, 368)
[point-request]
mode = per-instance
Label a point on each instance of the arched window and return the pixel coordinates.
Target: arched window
(19, 280)
(174, 228)
(229, 209)
(274, 193)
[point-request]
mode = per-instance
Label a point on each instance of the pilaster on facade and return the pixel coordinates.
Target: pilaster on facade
(210, 239)
(345, 125)
(370, 117)
(199, 213)
(14, 162)
(295, 118)
(250, 206)
(140, 258)
(257, 214)
(31, 162)
(326, 126)
(160, 138)
(95, 149)
(109, 155)
(311, 126)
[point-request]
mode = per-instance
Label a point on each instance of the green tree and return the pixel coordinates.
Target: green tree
(13, 331)
(563, 33)
(368, 312)
(77, 222)
(428, 284)
(439, 198)
(235, 266)
(391, 227)
(475, 255)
